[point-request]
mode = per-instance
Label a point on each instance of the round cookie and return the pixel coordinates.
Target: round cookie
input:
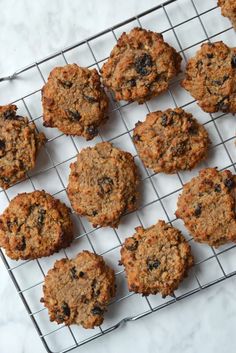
(228, 9)
(156, 259)
(207, 207)
(103, 184)
(78, 291)
(35, 225)
(19, 145)
(140, 66)
(211, 77)
(170, 141)
(74, 101)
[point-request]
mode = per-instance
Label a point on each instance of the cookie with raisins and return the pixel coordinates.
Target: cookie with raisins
(103, 184)
(171, 141)
(77, 291)
(207, 207)
(228, 9)
(34, 225)
(140, 66)
(211, 77)
(74, 101)
(19, 146)
(156, 259)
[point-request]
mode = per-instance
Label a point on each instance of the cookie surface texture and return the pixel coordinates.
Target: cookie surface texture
(19, 145)
(171, 141)
(77, 291)
(207, 207)
(74, 101)
(103, 184)
(211, 77)
(140, 66)
(35, 225)
(156, 259)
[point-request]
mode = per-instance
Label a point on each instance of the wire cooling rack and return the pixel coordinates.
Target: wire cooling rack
(185, 24)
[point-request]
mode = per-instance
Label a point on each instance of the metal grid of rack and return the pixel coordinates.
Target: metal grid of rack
(160, 192)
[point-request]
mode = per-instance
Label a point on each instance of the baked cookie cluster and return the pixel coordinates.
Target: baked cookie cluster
(104, 180)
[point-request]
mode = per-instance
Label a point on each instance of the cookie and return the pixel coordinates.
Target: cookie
(228, 9)
(74, 101)
(207, 207)
(103, 184)
(170, 141)
(156, 259)
(140, 66)
(211, 77)
(35, 225)
(19, 145)
(78, 291)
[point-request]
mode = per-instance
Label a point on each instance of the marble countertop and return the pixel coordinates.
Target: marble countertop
(204, 322)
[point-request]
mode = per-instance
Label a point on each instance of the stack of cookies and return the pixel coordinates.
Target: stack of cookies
(104, 180)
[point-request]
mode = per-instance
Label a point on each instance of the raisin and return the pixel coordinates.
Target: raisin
(136, 138)
(65, 84)
(73, 273)
(92, 130)
(209, 55)
(233, 62)
(223, 105)
(193, 129)
(225, 78)
(198, 210)
(179, 149)
(90, 99)
(97, 311)
(217, 82)
(132, 82)
(81, 274)
(217, 188)
(106, 184)
(229, 183)
(41, 217)
(94, 213)
(133, 246)
(22, 245)
(74, 115)
(141, 63)
(2, 144)
(199, 64)
(164, 120)
(9, 114)
(153, 264)
(5, 180)
(65, 309)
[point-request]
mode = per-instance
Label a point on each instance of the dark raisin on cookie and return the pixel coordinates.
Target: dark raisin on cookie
(97, 311)
(133, 246)
(153, 264)
(74, 115)
(92, 130)
(41, 217)
(198, 210)
(73, 273)
(106, 184)
(90, 99)
(217, 188)
(66, 309)
(65, 84)
(2, 145)
(142, 63)
(233, 62)
(22, 245)
(229, 183)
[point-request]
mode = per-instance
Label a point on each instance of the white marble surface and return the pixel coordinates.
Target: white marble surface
(204, 322)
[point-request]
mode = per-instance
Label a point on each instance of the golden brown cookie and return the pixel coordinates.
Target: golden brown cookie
(35, 225)
(228, 9)
(74, 101)
(140, 66)
(211, 77)
(156, 259)
(207, 207)
(103, 184)
(171, 141)
(78, 291)
(19, 145)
